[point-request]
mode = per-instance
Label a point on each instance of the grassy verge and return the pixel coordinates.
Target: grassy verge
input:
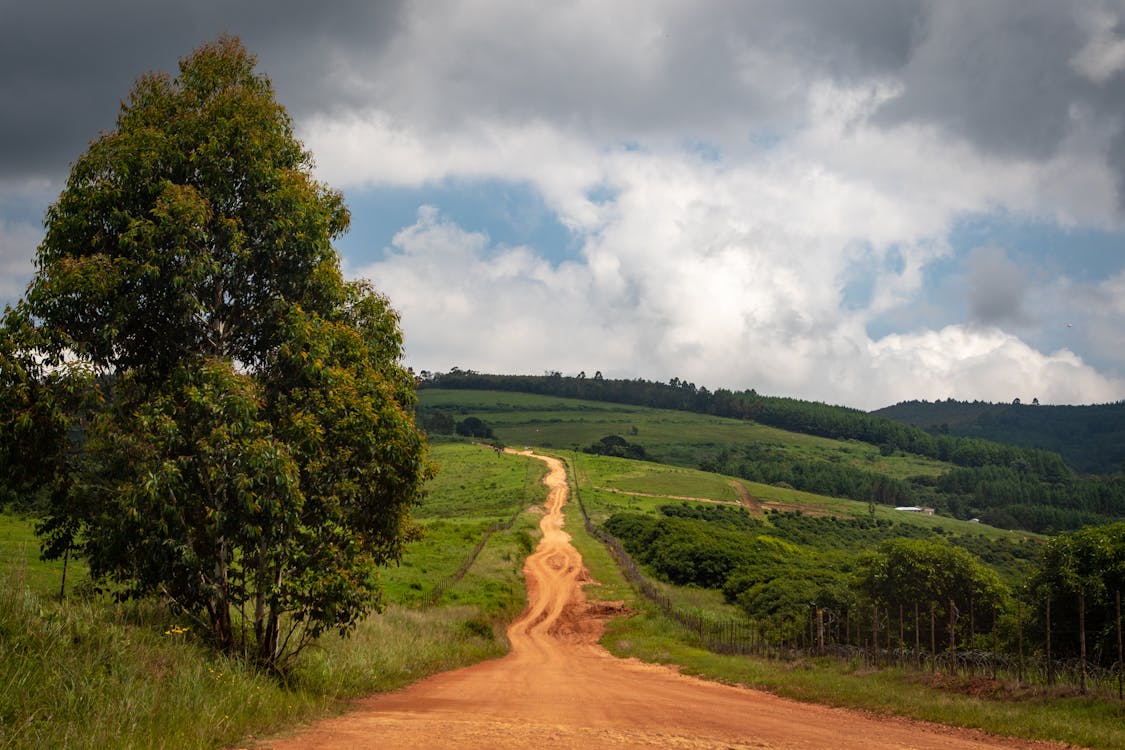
(90, 673)
(651, 637)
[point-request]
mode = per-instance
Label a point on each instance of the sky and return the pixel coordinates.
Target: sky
(856, 202)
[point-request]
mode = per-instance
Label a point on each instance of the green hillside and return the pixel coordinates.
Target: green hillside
(1002, 486)
(1091, 439)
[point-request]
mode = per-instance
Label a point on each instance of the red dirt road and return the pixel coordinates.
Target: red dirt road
(559, 688)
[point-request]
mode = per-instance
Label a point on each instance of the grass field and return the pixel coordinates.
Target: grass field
(610, 485)
(90, 673)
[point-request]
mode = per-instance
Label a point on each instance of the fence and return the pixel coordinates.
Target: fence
(868, 637)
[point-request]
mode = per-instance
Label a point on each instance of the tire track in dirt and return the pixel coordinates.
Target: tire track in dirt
(559, 687)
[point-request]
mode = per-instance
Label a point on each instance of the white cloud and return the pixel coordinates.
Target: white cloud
(729, 271)
(760, 199)
(728, 322)
(983, 363)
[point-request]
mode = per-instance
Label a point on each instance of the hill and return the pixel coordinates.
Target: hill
(814, 447)
(1091, 439)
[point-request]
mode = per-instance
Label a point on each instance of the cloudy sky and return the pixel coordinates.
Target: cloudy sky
(857, 203)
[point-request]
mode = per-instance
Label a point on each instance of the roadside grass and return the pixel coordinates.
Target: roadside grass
(649, 636)
(87, 672)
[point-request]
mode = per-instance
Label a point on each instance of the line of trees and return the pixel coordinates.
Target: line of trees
(1058, 600)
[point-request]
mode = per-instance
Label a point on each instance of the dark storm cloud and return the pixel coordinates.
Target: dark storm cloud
(65, 66)
(719, 66)
(1003, 76)
(998, 74)
(996, 288)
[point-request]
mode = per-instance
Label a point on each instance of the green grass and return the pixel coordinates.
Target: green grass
(93, 674)
(19, 552)
(649, 636)
(474, 489)
(90, 673)
(610, 485)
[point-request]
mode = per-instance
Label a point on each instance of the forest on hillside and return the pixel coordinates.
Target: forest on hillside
(1007, 486)
(1090, 438)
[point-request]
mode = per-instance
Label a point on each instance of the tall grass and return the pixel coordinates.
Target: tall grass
(87, 672)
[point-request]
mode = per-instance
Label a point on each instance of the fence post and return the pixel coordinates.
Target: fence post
(1019, 637)
(1082, 639)
(917, 639)
(875, 635)
(1050, 664)
(1120, 660)
(933, 637)
(952, 635)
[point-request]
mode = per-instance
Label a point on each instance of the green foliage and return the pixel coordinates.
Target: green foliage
(1090, 438)
(90, 673)
(825, 450)
(1085, 567)
(437, 421)
(220, 418)
(933, 575)
(473, 427)
(615, 445)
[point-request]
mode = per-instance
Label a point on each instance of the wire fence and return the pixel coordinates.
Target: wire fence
(869, 638)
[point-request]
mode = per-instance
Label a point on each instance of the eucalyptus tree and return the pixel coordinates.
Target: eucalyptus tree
(938, 579)
(1080, 577)
(244, 444)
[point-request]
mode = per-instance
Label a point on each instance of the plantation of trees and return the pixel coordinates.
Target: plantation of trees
(901, 585)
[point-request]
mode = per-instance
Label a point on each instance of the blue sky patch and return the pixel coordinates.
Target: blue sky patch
(510, 213)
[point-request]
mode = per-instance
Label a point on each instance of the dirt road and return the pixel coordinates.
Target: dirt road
(558, 688)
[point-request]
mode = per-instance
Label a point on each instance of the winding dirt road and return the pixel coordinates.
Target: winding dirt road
(558, 688)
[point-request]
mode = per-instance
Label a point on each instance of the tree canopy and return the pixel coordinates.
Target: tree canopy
(219, 417)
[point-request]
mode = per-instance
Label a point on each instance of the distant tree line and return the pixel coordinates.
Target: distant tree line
(809, 417)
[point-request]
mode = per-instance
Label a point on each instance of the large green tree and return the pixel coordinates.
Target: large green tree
(244, 442)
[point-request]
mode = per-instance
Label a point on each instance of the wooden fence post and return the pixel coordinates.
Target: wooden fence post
(933, 637)
(1120, 660)
(1019, 637)
(1050, 664)
(1082, 639)
(917, 638)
